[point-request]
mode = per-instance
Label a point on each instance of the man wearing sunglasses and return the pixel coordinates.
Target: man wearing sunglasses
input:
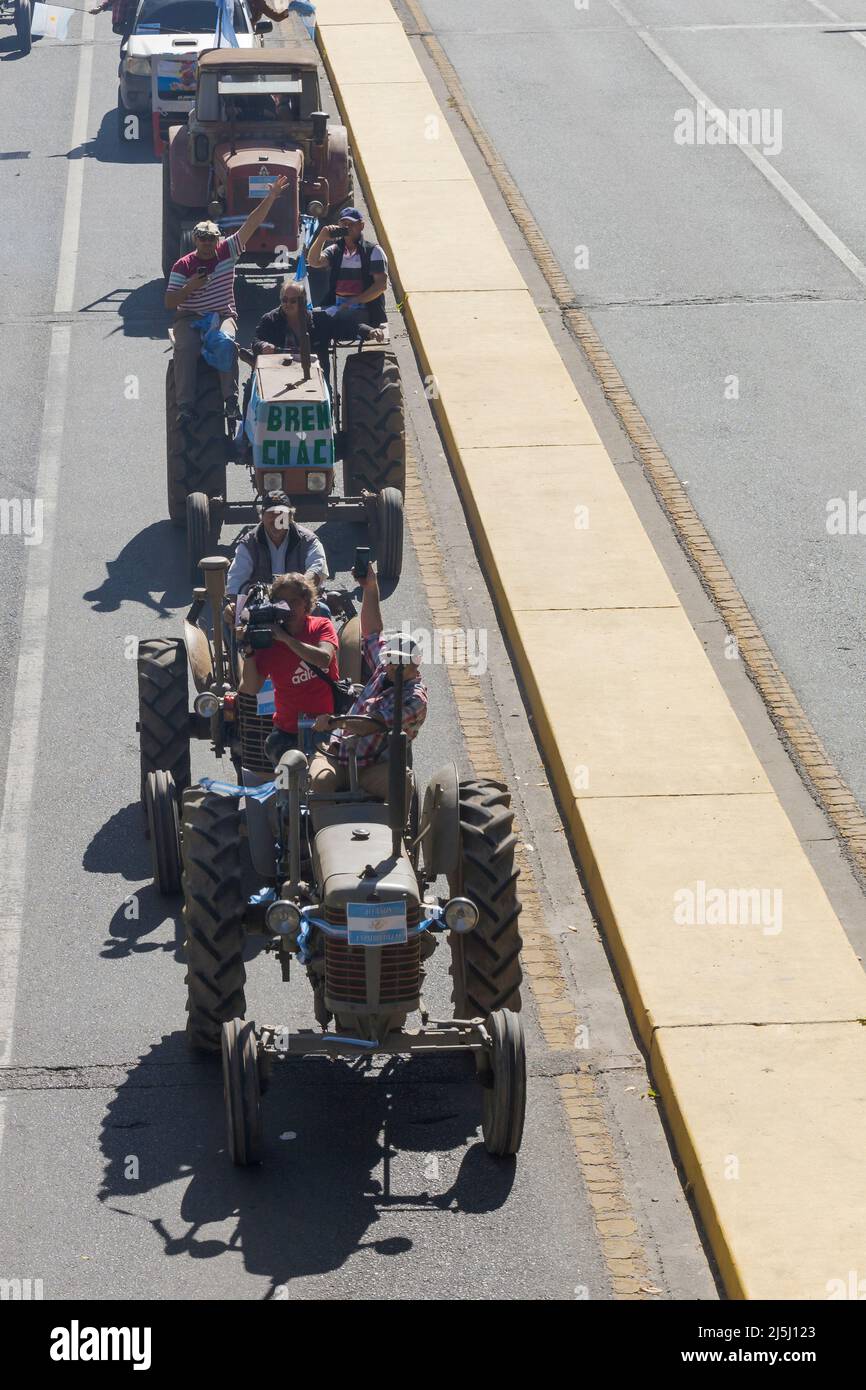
(203, 282)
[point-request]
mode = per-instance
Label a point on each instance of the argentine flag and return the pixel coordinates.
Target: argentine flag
(224, 34)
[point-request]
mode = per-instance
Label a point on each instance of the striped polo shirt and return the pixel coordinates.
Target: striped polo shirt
(218, 291)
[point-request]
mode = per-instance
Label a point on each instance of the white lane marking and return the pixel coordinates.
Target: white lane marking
(794, 200)
(24, 728)
(837, 19)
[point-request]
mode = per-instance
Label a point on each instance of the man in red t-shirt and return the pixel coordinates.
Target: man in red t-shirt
(301, 642)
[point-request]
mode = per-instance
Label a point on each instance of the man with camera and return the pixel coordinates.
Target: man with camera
(358, 278)
(329, 771)
(203, 283)
(285, 641)
(276, 546)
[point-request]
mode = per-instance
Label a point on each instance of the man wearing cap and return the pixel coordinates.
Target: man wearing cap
(276, 546)
(303, 645)
(358, 271)
(202, 283)
(329, 771)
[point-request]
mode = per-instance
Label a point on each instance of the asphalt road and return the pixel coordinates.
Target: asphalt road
(375, 1182)
(736, 327)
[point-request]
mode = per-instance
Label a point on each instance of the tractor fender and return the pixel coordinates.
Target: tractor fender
(199, 655)
(440, 819)
(188, 182)
(339, 183)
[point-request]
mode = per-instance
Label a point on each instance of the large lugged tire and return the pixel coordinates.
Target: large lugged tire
(212, 914)
(373, 419)
(23, 21)
(171, 221)
(485, 963)
(163, 710)
(195, 457)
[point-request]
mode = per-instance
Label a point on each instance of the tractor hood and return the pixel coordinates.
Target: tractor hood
(359, 870)
(244, 172)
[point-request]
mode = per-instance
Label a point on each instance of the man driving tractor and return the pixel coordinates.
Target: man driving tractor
(329, 771)
(202, 283)
(277, 545)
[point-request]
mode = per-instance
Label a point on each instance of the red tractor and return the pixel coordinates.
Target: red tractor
(257, 115)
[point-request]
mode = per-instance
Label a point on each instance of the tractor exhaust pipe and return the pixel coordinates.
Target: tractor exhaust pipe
(215, 568)
(397, 754)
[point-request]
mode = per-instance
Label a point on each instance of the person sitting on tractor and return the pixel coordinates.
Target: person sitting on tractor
(356, 289)
(202, 283)
(276, 546)
(303, 650)
(281, 329)
(329, 771)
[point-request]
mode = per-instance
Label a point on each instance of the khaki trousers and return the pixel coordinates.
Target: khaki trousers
(187, 350)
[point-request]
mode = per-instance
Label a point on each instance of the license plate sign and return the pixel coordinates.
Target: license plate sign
(376, 924)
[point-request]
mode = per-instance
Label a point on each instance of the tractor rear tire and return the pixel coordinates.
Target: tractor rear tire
(23, 22)
(195, 455)
(485, 963)
(213, 915)
(163, 710)
(160, 799)
(373, 420)
(242, 1092)
(198, 531)
(504, 1103)
(389, 533)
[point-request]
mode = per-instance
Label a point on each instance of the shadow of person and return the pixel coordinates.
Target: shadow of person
(108, 147)
(315, 1200)
(158, 550)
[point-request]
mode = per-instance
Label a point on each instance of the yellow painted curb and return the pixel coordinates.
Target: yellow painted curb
(741, 980)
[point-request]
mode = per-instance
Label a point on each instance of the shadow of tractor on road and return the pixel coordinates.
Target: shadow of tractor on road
(332, 1132)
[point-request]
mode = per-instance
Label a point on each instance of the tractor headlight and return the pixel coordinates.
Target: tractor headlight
(283, 919)
(316, 482)
(201, 149)
(460, 915)
(138, 67)
(273, 482)
(206, 704)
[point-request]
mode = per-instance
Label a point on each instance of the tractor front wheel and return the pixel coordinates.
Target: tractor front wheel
(163, 826)
(485, 963)
(389, 533)
(213, 915)
(504, 1081)
(242, 1092)
(198, 531)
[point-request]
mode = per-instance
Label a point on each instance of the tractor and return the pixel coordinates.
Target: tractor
(294, 432)
(349, 901)
(231, 721)
(257, 115)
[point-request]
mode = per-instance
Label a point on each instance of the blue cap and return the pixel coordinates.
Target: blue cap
(352, 214)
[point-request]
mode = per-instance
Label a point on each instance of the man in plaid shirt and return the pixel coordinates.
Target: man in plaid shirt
(329, 771)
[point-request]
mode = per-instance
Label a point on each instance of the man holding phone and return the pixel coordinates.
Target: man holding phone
(203, 282)
(358, 278)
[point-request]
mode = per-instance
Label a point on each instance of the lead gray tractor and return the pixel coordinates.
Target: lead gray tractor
(351, 903)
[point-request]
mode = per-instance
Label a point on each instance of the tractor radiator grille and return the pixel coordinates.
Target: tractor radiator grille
(395, 977)
(253, 729)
